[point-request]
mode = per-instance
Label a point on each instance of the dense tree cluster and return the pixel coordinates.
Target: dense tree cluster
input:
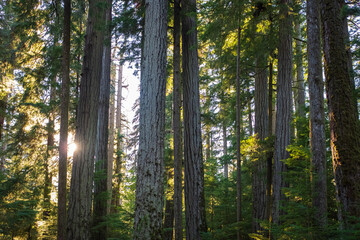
(232, 136)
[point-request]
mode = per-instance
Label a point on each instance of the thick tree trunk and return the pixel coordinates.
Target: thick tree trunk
(344, 127)
(283, 106)
(261, 131)
(150, 165)
(101, 150)
(238, 135)
(178, 155)
(317, 125)
(193, 165)
(64, 122)
(79, 212)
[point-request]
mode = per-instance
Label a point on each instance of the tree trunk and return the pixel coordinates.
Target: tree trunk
(169, 210)
(3, 103)
(317, 125)
(178, 155)
(299, 86)
(64, 122)
(344, 127)
(101, 150)
(283, 106)
(225, 147)
(250, 118)
(261, 131)
(270, 154)
(238, 136)
(193, 165)
(117, 174)
(150, 165)
(111, 136)
(49, 150)
(79, 212)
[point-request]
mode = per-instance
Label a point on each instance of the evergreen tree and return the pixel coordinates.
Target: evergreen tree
(343, 116)
(317, 121)
(150, 165)
(283, 106)
(82, 177)
(193, 164)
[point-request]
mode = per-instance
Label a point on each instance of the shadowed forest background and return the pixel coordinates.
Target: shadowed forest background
(247, 124)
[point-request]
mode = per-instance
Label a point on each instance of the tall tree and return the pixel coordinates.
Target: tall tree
(64, 122)
(80, 199)
(118, 160)
(238, 132)
(299, 86)
(178, 155)
(111, 136)
(150, 165)
(343, 117)
(283, 105)
(261, 131)
(193, 164)
(101, 189)
(317, 125)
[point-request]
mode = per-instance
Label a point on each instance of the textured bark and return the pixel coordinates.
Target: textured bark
(116, 198)
(79, 212)
(64, 122)
(317, 125)
(238, 135)
(101, 150)
(110, 156)
(299, 86)
(344, 127)
(283, 106)
(261, 131)
(178, 153)
(150, 165)
(193, 165)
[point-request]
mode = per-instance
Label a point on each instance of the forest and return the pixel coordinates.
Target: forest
(247, 124)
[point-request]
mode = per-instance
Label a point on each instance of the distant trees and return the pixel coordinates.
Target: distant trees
(54, 83)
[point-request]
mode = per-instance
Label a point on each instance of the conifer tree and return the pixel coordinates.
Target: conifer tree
(82, 177)
(283, 106)
(148, 221)
(343, 116)
(178, 155)
(193, 164)
(317, 120)
(65, 89)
